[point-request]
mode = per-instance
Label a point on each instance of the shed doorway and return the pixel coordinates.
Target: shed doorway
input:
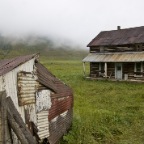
(118, 71)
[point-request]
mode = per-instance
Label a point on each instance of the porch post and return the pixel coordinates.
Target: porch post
(84, 70)
(105, 69)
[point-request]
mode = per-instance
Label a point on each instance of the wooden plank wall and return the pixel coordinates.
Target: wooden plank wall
(111, 70)
(94, 67)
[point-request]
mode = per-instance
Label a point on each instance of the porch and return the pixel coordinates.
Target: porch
(116, 71)
(127, 68)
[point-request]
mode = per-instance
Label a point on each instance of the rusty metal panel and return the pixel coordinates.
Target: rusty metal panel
(59, 106)
(26, 94)
(115, 57)
(59, 125)
(43, 124)
(45, 77)
(119, 37)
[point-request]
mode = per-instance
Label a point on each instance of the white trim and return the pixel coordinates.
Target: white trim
(105, 68)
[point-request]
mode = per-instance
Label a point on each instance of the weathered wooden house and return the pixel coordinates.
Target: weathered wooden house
(117, 55)
(44, 102)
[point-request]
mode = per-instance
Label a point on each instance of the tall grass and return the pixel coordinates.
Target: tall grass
(104, 112)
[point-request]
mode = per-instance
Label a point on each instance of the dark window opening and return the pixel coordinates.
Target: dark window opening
(138, 67)
(119, 68)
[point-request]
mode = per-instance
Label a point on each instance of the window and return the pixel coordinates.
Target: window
(138, 69)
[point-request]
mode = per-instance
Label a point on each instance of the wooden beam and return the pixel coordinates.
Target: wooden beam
(17, 124)
(5, 137)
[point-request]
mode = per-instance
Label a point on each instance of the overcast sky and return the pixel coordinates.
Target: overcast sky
(77, 20)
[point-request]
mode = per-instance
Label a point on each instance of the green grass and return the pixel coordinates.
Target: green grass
(104, 112)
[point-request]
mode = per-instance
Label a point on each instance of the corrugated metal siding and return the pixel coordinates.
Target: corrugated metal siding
(49, 80)
(27, 87)
(115, 57)
(43, 124)
(119, 37)
(59, 106)
(45, 77)
(43, 104)
(59, 125)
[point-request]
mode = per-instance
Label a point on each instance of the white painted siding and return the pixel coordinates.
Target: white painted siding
(8, 82)
(43, 100)
(43, 104)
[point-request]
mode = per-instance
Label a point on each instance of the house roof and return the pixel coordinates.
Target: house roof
(115, 57)
(119, 37)
(48, 79)
(9, 64)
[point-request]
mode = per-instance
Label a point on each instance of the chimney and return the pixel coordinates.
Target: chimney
(118, 27)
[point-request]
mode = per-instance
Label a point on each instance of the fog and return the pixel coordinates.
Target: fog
(75, 21)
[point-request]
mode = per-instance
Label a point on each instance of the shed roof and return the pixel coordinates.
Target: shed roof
(7, 65)
(48, 79)
(119, 37)
(45, 77)
(115, 57)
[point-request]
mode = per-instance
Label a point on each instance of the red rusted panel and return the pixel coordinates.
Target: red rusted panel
(119, 37)
(59, 106)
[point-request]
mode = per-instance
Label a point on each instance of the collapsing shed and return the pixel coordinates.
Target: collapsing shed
(44, 102)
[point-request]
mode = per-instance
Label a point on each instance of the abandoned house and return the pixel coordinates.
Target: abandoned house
(117, 55)
(44, 102)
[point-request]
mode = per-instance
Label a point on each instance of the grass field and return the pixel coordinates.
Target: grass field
(104, 112)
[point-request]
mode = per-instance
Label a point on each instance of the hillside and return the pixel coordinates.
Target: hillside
(48, 48)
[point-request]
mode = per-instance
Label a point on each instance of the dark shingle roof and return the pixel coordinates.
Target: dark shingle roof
(119, 37)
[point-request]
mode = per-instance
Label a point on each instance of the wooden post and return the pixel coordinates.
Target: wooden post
(4, 128)
(105, 69)
(84, 70)
(18, 125)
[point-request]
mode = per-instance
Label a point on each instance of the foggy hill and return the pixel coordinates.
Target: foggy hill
(49, 48)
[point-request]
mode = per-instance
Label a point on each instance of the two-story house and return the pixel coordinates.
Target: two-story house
(117, 55)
